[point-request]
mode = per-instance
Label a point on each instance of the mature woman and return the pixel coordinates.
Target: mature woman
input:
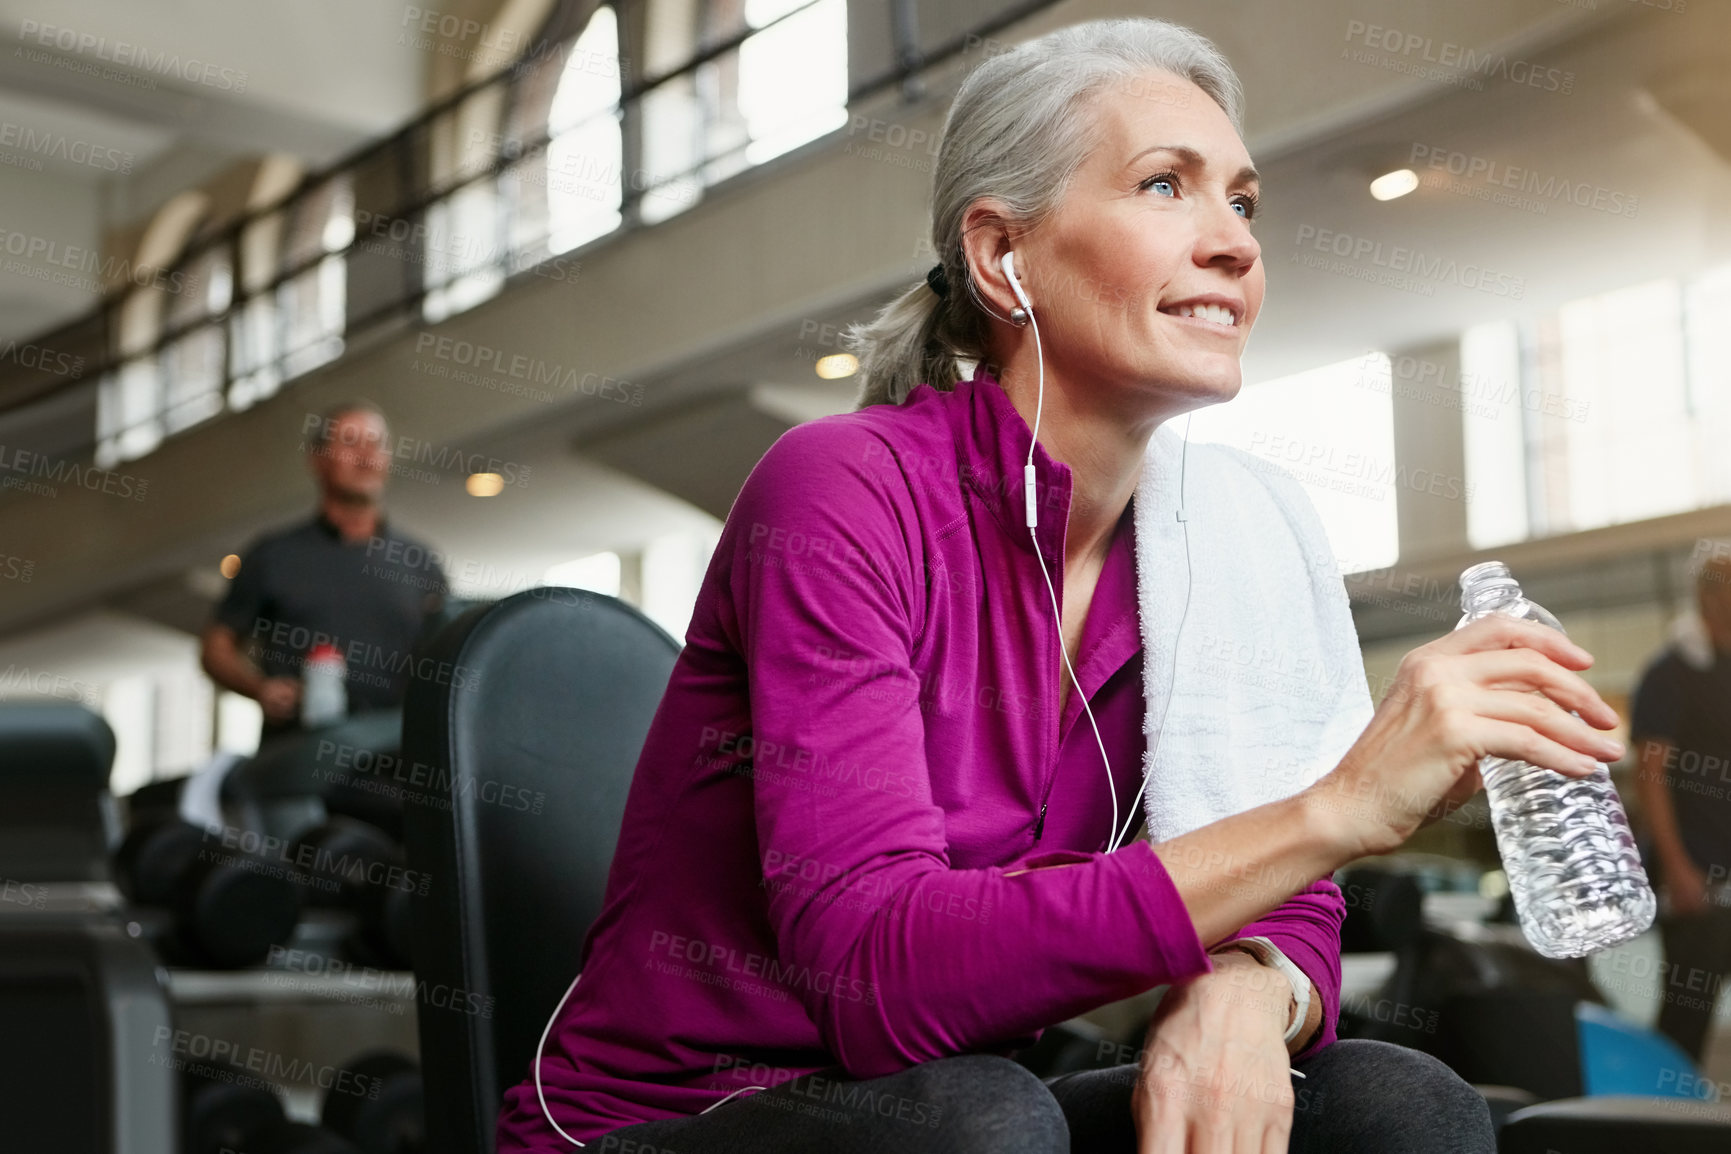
(867, 851)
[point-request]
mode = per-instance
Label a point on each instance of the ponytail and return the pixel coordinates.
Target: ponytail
(904, 346)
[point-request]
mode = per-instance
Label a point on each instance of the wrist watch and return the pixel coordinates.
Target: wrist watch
(1270, 955)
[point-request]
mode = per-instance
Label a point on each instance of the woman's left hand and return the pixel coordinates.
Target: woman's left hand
(1215, 1072)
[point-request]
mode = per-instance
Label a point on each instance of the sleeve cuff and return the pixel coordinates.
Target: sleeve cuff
(1182, 952)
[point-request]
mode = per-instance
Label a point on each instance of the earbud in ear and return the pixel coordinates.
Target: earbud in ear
(1017, 315)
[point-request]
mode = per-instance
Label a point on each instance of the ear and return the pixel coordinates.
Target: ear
(987, 234)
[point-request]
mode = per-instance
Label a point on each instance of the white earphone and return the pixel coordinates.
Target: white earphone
(1026, 307)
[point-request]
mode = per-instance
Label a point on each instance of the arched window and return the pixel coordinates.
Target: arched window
(785, 85)
(192, 364)
(313, 303)
(792, 76)
(130, 400)
(523, 186)
(585, 147)
(255, 335)
(469, 247)
(553, 196)
(463, 246)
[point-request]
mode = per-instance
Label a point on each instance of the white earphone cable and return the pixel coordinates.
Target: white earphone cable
(1057, 616)
(541, 1096)
(1051, 593)
(1172, 681)
(542, 1045)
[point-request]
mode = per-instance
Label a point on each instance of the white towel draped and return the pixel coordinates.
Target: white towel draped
(1270, 689)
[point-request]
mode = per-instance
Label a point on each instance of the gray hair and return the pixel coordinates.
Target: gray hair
(1013, 134)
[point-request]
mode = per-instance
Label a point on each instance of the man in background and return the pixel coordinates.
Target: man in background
(343, 578)
(1681, 730)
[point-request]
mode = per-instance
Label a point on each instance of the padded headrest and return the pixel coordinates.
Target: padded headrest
(58, 741)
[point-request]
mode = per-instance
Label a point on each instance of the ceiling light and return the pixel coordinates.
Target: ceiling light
(1392, 184)
(837, 365)
(484, 484)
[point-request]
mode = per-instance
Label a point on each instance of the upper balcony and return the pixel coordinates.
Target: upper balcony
(605, 261)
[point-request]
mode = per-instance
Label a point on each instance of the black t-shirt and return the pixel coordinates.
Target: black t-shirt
(1690, 709)
(305, 586)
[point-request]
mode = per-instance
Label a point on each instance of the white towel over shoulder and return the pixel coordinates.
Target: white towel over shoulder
(1269, 691)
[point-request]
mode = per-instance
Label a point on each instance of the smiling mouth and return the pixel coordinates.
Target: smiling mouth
(1218, 316)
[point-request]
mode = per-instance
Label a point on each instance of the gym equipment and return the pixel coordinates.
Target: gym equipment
(298, 780)
(228, 906)
(1522, 1026)
(220, 1113)
(336, 855)
(562, 686)
(1618, 1125)
(300, 1138)
(225, 1111)
(350, 864)
(394, 1121)
(58, 823)
(80, 1011)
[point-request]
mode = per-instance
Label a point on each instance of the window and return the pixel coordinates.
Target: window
(785, 85)
(792, 76)
(1612, 409)
(314, 302)
(128, 412)
(585, 185)
(255, 339)
(132, 399)
(192, 365)
(463, 250)
(1493, 426)
(673, 570)
(1332, 429)
(599, 572)
(254, 332)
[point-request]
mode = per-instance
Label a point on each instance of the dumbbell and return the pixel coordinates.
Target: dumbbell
(229, 907)
(225, 1111)
(392, 1122)
(222, 1110)
(346, 862)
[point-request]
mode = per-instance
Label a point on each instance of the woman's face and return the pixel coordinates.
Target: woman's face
(1145, 280)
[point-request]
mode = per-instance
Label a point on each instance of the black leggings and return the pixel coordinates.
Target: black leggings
(1357, 1097)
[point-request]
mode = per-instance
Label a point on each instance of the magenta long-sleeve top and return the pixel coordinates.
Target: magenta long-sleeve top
(859, 748)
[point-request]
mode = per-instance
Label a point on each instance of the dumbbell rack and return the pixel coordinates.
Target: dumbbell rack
(306, 1023)
(306, 1020)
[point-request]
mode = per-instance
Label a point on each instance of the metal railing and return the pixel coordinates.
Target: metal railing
(390, 179)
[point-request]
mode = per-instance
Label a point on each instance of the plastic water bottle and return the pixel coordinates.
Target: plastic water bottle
(1565, 842)
(324, 687)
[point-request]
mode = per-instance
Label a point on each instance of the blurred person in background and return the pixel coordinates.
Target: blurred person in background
(1681, 728)
(344, 578)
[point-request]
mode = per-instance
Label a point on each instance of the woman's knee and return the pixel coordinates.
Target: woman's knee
(1365, 1095)
(983, 1103)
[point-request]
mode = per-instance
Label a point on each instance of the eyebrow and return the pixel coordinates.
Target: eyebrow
(1194, 159)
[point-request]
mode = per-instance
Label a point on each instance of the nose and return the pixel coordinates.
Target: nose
(1224, 241)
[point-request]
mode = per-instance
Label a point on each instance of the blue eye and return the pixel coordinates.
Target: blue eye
(1165, 184)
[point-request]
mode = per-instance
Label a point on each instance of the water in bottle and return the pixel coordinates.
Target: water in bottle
(1571, 860)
